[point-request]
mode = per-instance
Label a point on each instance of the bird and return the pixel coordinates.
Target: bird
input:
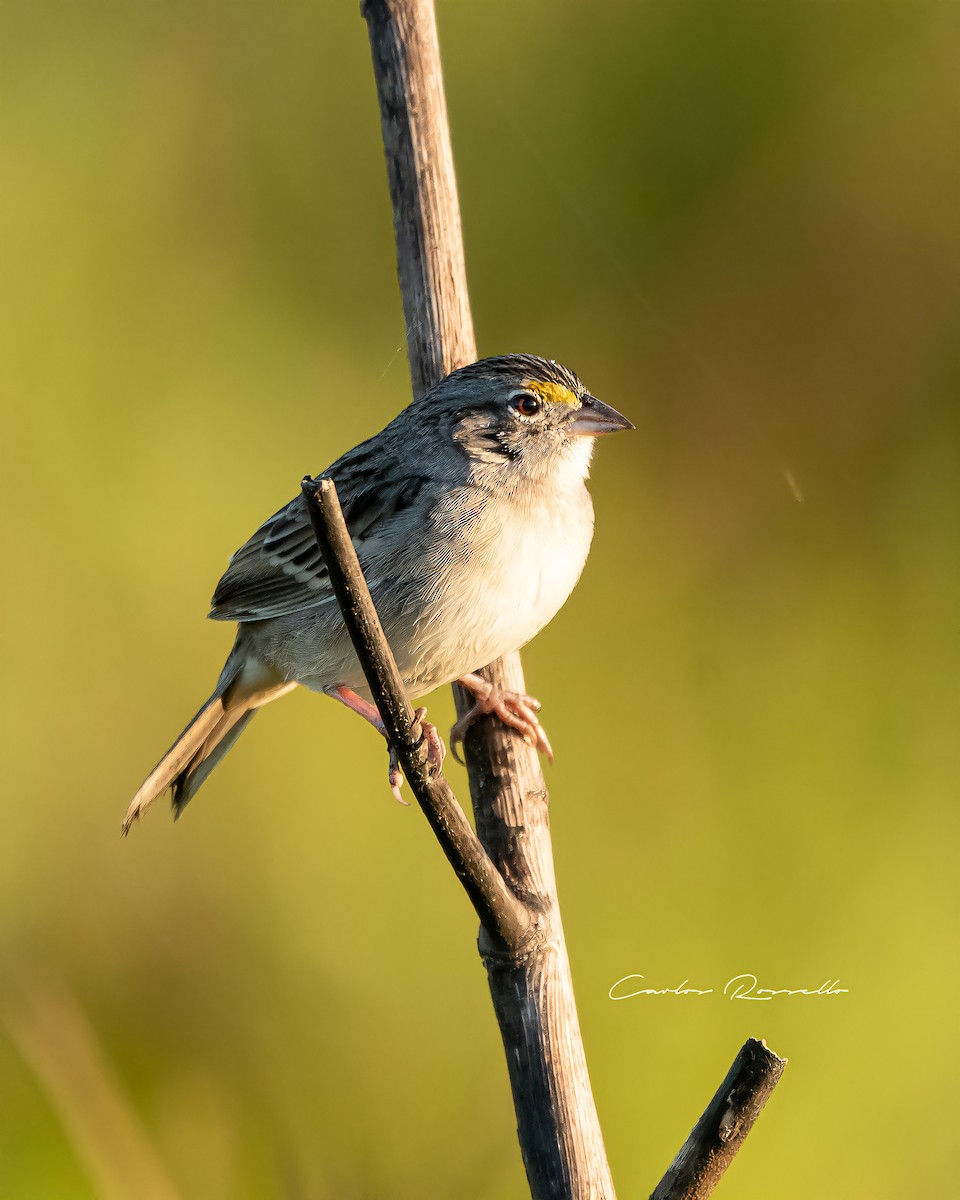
(472, 522)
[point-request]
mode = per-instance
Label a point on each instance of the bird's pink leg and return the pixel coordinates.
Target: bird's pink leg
(435, 747)
(360, 706)
(515, 709)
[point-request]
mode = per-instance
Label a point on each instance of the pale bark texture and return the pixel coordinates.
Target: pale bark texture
(532, 989)
(509, 874)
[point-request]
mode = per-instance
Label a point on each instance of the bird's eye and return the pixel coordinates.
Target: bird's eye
(527, 405)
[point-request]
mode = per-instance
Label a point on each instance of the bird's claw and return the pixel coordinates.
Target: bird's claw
(395, 778)
(436, 751)
(516, 710)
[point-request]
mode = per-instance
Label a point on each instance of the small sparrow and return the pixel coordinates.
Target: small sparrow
(472, 522)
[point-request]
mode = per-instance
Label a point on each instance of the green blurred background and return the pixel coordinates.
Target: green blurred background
(739, 223)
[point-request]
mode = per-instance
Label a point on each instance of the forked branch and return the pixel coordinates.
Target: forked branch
(557, 1123)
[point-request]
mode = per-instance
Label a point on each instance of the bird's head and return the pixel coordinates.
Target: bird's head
(522, 417)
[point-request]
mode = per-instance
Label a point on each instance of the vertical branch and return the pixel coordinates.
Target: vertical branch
(423, 188)
(532, 993)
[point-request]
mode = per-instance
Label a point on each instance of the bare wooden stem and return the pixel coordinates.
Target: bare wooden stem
(532, 993)
(503, 916)
(726, 1121)
(423, 188)
(530, 982)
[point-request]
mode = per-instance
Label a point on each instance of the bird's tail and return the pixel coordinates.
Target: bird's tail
(245, 685)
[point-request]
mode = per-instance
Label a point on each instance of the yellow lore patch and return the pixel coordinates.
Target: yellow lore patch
(551, 393)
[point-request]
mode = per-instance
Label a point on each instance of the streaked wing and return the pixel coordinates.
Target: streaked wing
(280, 570)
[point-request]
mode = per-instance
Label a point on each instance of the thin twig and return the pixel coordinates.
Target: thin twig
(503, 916)
(726, 1121)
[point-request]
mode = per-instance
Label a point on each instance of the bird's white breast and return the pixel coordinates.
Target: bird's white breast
(522, 559)
(477, 579)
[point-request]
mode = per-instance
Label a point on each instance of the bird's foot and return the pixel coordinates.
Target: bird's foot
(436, 751)
(515, 709)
